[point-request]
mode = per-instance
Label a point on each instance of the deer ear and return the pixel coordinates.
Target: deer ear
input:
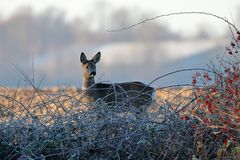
(83, 58)
(97, 57)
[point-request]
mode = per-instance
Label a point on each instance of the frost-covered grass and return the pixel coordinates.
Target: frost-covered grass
(58, 124)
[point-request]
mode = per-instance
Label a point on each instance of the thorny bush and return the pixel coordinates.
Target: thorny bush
(217, 106)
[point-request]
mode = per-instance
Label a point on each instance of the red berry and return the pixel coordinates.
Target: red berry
(238, 38)
(236, 111)
(207, 121)
(185, 118)
(194, 81)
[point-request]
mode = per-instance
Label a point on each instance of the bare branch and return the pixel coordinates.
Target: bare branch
(174, 14)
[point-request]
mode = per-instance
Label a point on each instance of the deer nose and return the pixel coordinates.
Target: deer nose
(93, 73)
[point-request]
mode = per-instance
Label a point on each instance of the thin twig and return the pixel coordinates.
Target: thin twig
(174, 14)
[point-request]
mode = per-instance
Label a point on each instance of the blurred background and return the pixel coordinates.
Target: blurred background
(44, 38)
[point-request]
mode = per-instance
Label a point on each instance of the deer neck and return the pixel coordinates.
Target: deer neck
(87, 82)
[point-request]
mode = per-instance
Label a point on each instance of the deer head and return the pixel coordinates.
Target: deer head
(89, 66)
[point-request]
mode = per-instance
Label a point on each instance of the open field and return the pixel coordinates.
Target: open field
(62, 100)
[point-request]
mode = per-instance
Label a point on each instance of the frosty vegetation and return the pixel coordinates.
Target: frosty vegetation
(56, 124)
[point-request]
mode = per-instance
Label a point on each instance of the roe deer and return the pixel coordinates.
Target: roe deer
(128, 93)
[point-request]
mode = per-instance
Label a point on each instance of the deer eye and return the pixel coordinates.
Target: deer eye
(86, 66)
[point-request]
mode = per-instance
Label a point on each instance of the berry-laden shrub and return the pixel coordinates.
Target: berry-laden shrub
(217, 106)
